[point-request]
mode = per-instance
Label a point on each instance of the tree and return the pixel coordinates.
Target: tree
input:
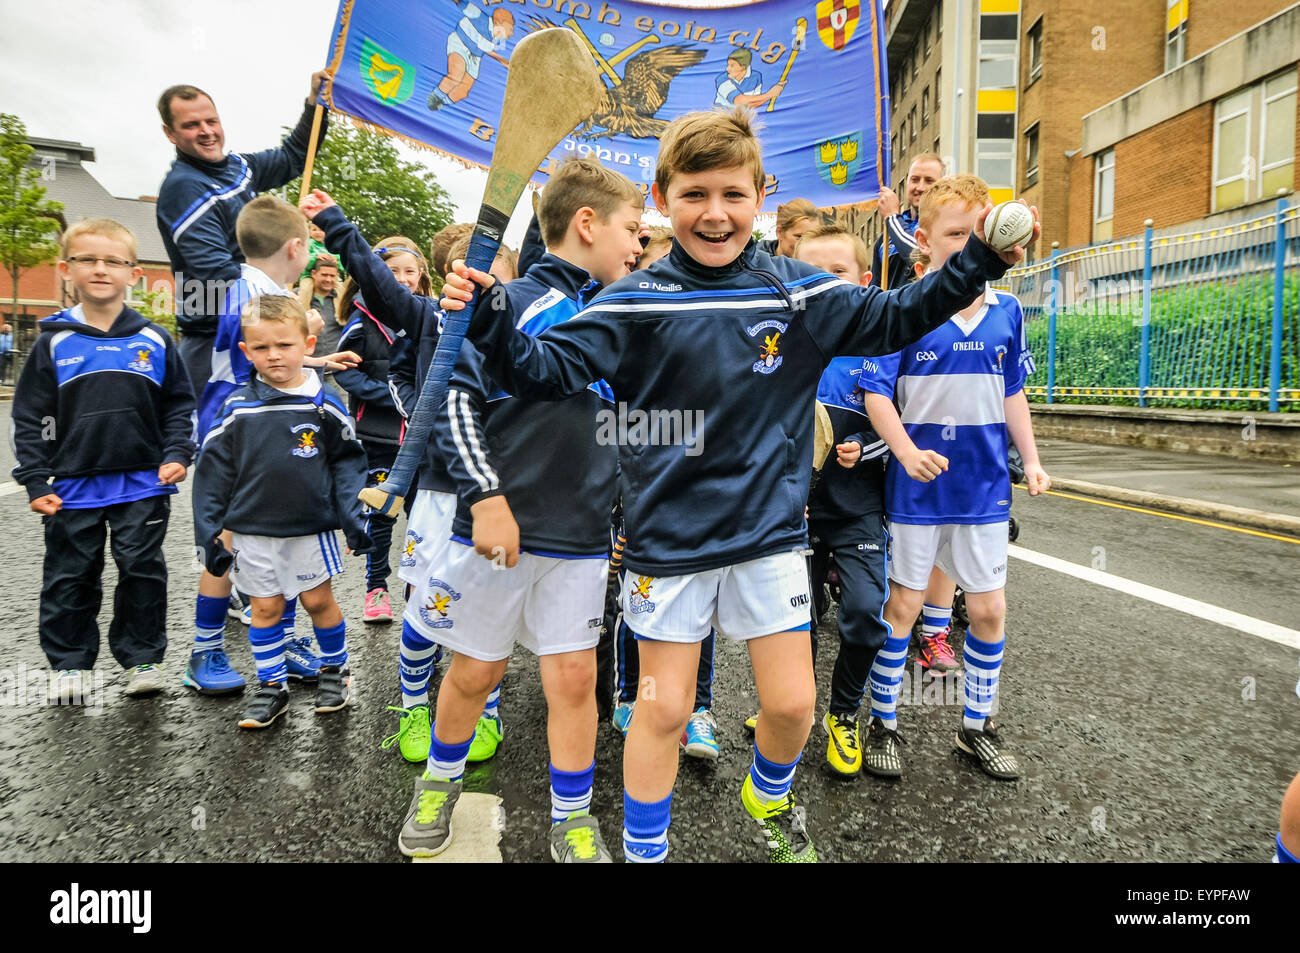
(26, 219)
(379, 191)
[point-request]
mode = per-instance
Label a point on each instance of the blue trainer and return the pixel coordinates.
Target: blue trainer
(699, 740)
(301, 660)
(623, 716)
(209, 673)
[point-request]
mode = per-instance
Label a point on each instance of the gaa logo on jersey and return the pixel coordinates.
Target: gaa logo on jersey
(413, 539)
(769, 354)
(437, 602)
(306, 447)
(143, 358)
(638, 599)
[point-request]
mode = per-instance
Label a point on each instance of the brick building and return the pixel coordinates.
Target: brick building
(65, 179)
(1102, 115)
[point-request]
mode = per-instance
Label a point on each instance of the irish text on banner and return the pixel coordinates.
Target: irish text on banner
(434, 71)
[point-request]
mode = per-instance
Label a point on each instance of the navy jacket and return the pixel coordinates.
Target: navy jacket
(280, 465)
(416, 321)
(742, 348)
(550, 460)
(93, 402)
(198, 203)
(371, 401)
(846, 492)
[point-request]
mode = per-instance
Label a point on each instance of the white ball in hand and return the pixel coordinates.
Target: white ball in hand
(1008, 225)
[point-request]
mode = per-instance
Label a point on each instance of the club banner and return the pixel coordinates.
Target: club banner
(434, 72)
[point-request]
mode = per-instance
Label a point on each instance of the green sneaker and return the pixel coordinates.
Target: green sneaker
(784, 827)
(578, 841)
(413, 734)
(487, 737)
(427, 829)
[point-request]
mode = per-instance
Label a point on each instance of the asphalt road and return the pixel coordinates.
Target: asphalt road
(1147, 734)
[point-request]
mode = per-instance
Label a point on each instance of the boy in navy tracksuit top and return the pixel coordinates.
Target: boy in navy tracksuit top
(395, 288)
(105, 408)
(281, 470)
(718, 536)
(544, 474)
(846, 518)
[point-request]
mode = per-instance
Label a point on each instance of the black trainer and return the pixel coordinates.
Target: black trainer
(985, 747)
(268, 704)
(334, 690)
(881, 757)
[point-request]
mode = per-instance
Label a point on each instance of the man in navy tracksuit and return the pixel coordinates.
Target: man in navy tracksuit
(104, 411)
(199, 201)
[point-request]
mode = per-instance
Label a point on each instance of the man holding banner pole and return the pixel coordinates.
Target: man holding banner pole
(199, 200)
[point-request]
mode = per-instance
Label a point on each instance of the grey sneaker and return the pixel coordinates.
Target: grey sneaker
(427, 829)
(70, 687)
(143, 680)
(986, 748)
(578, 841)
(881, 757)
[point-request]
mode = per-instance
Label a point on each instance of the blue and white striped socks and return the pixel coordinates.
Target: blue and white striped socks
(983, 661)
(771, 781)
(491, 706)
(571, 792)
(210, 623)
(934, 619)
(268, 652)
(333, 644)
(886, 678)
(446, 762)
(645, 829)
(415, 666)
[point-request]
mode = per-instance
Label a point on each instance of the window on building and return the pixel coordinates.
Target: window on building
(1031, 156)
(938, 15)
(1036, 50)
(911, 125)
(1175, 34)
(1103, 195)
(925, 105)
(937, 152)
(1254, 141)
(929, 32)
(997, 51)
(916, 61)
(995, 149)
(938, 93)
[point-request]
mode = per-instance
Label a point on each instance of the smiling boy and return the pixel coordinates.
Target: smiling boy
(718, 537)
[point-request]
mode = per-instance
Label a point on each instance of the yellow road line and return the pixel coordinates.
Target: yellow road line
(1170, 516)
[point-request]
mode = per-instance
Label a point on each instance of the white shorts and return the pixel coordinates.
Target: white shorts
(975, 556)
(471, 57)
(268, 566)
(761, 597)
(427, 530)
(547, 604)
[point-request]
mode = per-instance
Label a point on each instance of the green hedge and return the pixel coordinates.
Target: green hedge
(1212, 334)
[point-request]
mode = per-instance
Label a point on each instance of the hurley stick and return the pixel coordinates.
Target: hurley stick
(531, 126)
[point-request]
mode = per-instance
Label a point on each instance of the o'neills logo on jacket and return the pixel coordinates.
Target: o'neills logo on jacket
(306, 440)
(769, 354)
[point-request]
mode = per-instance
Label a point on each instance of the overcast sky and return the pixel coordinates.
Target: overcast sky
(91, 71)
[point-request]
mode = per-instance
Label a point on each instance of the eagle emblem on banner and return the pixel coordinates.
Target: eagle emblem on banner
(836, 21)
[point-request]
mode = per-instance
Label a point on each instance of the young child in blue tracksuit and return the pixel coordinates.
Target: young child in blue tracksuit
(720, 327)
(389, 288)
(281, 470)
(380, 425)
(545, 474)
(104, 408)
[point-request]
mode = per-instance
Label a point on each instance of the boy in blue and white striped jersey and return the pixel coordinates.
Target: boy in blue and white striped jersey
(959, 389)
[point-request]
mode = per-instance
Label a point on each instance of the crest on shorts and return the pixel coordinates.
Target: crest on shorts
(413, 539)
(769, 352)
(306, 447)
(639, 598)
(437, 605)
(143, 360)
